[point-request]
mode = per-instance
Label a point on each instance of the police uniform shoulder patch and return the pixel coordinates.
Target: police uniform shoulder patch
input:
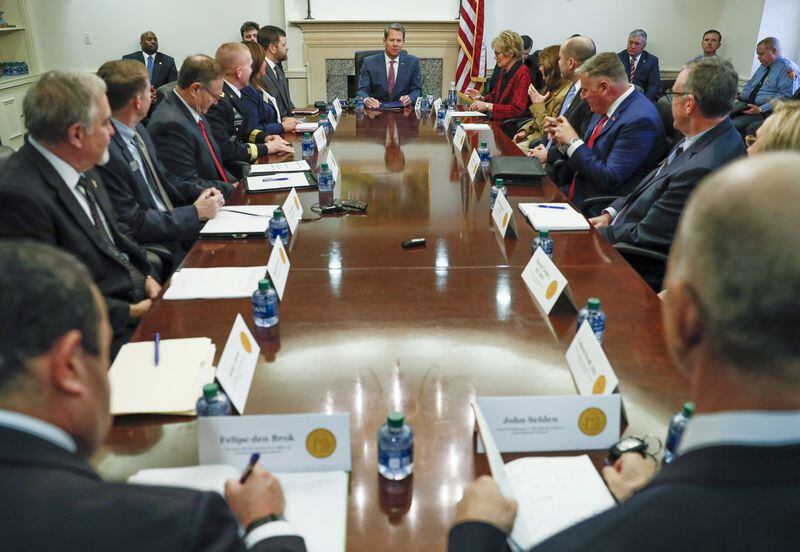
(791, 73)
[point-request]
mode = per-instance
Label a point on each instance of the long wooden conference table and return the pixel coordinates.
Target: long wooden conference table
(367, 327)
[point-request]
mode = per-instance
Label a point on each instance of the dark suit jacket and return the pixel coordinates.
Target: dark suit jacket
(372, 81)
(278, 90)
(134, 204)
(164, 70)
(232, 129)
(649, 215)
(262, 115)
(647, 75)
(733, 498)
(628, 147)
(578, 114)
(35, 203)
(181, 146)
(60, 503)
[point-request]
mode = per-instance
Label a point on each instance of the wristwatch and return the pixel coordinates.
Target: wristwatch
(571, 142)
(263, 521)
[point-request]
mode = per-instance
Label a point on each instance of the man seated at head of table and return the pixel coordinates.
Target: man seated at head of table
(624, 139)
(181, 132)
(702, 97)
(54, 414)
(231, 126)
(391, 76)
(731, 319)
(50, 192)
(158, 207)
(509, 98)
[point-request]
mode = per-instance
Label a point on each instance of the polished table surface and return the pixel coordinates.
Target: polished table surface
(367, 327)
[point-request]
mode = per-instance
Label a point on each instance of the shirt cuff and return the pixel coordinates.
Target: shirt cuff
(611, 211)
(766, 108)
(575, 145)
(279, 528)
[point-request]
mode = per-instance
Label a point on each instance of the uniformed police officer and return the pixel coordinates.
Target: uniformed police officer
(228, 118)
(777, 78)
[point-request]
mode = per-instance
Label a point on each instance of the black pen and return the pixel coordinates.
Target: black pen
(249, 469)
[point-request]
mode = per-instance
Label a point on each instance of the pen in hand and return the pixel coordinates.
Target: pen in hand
(249, 469)
(157, 344)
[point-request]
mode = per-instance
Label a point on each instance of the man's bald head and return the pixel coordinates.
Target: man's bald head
(736, 251)
(579, 48)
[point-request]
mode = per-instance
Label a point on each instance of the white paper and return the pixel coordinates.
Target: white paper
(554, 216)
(306, 127)
(337, 106)
(474, 163)
(447, 117)
(214, 283)
(475, 126)
(320, 138)
(233, 220)
(437, 103)
(286, 442)
(458, 114)
(503, 215)
(544, 280)
(458, 139)
(333, 118)
(278, 267)
(277, 182)
(316, 502)
(293, 210)
(333, 165)
(238, 364)
(289, 166)
(138, 386)
(589, 365)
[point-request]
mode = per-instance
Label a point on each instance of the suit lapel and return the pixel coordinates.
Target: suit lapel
(126, 155)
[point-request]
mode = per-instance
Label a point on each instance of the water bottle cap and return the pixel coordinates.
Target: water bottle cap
(544, 234)
(498, 181)
(395, 419)
(210, 390)
(264, 284)
(453, 83)
(593, 303)
(323, 116)
(306, 135)
(277, 213)
(324, 165)
(483, 144)
(688, 409)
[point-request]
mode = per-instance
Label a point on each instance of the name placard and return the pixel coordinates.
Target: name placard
(286, 442)
(552, 423)
(474, 163)
(337, 107)
(589, 365)
(238, 363)
(334, 167)
(448, 116)
(437, 103)
(320, 138)
(544, 280)
(334, 120)
(503, 215)
(278, 267)
(459, 138)
(293, 210)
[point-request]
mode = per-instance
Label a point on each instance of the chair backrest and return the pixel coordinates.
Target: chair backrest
(165, 89)
(5, 154)
(664, 107)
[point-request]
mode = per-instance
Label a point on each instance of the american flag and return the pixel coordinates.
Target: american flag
(471, 67)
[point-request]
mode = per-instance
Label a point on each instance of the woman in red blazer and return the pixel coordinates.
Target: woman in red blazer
(509, 98)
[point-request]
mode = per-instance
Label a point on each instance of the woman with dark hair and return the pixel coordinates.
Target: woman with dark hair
(546, 104)
(262, 112)
(509, 98)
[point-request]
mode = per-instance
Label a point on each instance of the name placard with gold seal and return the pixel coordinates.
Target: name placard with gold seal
(589, 365)
(545, 281)
(238, 363)
(286, 442)
(278, 267)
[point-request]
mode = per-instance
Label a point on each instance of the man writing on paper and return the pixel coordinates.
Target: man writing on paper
(730, 316)
(392, 76)
(54, 414)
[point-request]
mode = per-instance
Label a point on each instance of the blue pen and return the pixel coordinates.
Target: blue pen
(267, 179)
(540, 206)
(157, 343)
(249, 469)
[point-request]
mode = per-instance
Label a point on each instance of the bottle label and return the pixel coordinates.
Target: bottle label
(396, 459)
(265, 308)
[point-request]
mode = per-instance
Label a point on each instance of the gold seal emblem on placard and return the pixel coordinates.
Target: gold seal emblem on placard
(592, 421)
(320, 443)
(551, 289)
(599, 386)
(283, 256)
(245, 342)
(505, 219)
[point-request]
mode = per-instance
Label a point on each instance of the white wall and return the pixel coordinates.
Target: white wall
(782, 20)
(376, 10)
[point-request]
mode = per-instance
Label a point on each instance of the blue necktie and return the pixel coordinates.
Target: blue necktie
(150, 67)
(564, 106)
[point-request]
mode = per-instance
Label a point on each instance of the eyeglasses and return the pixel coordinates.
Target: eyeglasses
(750, 139)
(496, 53)
(216, 95)
(669, 94)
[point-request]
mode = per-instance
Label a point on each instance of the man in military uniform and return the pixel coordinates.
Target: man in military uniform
(228, 118)
(777, 78)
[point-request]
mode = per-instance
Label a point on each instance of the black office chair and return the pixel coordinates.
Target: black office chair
(649, 263)
(5, 154)
(671, 136)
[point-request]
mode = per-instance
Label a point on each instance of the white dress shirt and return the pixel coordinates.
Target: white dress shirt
(386, 60)
(744, 427)
(37, 428)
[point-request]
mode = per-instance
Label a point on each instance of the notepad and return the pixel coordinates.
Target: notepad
(306, 127)
(554, 216)
(214, 283)
(289, 166)
(475, 126)
(277, 182)
(316, 502)
(468, 114)
(239, 221)
(138, 386)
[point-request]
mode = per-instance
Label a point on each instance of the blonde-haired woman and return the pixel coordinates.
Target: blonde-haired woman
(780, 131)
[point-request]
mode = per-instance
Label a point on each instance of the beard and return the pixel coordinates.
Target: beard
(104, 158)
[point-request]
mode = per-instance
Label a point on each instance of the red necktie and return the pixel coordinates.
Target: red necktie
(595, 133)
(391, 77)
(220, 170)
(633, 68)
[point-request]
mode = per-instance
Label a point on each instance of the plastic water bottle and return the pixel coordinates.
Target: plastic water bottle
(359, 103)
(452, 97)
(395, 448)
(278, 227)
(325, 185)
(265, 304)
(596, 317)
(213, 402)
(498, 188)
(307, 145)
(544, 241)
(325, 123)
(483, 153)
(440, 115)
(424, 104)
(676, 426)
